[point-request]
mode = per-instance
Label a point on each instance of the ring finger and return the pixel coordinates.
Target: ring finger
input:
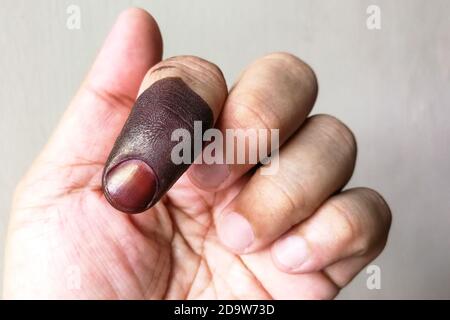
(314, 163)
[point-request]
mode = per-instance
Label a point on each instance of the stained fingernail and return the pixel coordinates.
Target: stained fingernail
(130, 186)
(291, 252)
(235, 232)
(210, 176)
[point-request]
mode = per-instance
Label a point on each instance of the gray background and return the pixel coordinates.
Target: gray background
(390, 86)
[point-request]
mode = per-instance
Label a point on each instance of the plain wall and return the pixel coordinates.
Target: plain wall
(391, 86)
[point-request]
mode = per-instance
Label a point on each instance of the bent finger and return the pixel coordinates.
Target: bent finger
(354, 223)
(276, 92)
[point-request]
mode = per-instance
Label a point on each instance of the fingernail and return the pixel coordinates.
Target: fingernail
(209, 176)
(291, 252)
(235, 232)
(130, 186)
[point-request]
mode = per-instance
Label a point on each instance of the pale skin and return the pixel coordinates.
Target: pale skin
(225, 233)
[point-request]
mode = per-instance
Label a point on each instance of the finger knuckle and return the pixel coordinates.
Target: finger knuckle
(369, 220)
(382, 211)
(336, 131)
(292, 193)
(350, 227)
(251, 109)
(192, 69)
(288, 62)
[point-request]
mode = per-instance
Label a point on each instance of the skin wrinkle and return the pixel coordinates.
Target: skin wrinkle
(196, 272)
(153, 276)
(332, 127)
(130, 267)
(208, 208)
(172, 244)
(113, 100)
(153, 233)
(207, 284)
(213, 276)
(205, 261)
(176, 115)
(291, 202)
(253, 114)
(188, 71)
(160, 244)
(158, 279)
(162, 67)
(72, 185)
(271, 120)
(111, 283)
(191, 218)
(169, 263)
(61, 222)
(65, 223)
(255, 277)
(211, 272)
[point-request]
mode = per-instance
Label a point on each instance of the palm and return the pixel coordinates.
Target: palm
(169, 252)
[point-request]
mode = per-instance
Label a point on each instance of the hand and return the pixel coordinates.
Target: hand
(221, 231)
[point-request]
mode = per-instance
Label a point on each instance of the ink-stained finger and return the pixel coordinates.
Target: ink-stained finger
(176, 93)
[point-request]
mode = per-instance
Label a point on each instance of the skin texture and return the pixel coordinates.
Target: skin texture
(167, 105)
(302, 238)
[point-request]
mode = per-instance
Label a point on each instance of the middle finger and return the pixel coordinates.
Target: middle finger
(275, 92)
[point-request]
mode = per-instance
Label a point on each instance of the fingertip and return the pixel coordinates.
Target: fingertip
(136, 12)
(141, 20)
(137, 15)
(133, 46)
